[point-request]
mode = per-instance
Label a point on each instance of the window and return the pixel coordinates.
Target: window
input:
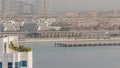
(23, 64)
(10, 65)
(16, 64)
(44, 1)
(0, 64)
(5, 45)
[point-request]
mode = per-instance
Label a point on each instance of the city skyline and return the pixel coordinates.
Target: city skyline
(61, 6)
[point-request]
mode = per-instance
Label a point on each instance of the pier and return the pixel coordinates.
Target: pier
(62, 36)
(89, 42)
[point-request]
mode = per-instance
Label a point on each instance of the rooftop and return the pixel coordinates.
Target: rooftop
(20, 48)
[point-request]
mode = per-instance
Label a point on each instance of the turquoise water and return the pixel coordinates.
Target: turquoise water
(46, 55)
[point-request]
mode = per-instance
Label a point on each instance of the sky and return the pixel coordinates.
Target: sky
(60, 6)
(82, 5)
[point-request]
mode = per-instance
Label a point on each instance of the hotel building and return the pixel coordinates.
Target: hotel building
(12, 55)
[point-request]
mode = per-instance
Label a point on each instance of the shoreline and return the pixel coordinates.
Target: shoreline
(49, 40)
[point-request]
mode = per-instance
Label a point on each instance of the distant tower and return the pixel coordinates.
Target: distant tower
(9, 8)
(42, 7)
(19, 8)
(23, 9)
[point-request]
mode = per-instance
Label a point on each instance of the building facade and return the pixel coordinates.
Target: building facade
(42, 8)
(9, 8)
(12, 56)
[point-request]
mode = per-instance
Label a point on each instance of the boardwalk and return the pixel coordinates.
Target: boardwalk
(63, 35)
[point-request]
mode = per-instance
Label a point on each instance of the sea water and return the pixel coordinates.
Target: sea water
(46, 55)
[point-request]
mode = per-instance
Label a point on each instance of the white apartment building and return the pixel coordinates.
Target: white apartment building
(12, 55)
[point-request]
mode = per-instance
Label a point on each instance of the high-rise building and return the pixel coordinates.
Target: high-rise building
(42, 7)
(12, 8)
(12, 55)
(23, 8)
(28, 9)
(9, 8)
(19, 8)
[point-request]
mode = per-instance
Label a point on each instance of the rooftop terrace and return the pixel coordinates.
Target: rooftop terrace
(20, 48)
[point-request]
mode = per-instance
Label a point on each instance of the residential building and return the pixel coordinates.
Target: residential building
(12, 55)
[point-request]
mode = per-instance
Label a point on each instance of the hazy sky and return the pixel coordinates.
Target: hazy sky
(81, 5)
